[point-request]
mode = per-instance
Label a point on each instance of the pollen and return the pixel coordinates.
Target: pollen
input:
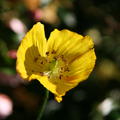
(55, 66)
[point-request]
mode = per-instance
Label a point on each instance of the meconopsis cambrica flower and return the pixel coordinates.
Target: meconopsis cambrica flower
(59, 63)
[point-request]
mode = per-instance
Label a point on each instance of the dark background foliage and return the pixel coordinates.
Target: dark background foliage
(97, 98)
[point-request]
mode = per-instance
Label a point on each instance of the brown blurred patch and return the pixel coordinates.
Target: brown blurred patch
(31, 5)
(25, 98)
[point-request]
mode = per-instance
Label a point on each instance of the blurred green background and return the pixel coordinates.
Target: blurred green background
(97, 98)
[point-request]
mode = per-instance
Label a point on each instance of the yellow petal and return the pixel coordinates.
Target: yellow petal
(47, 84)
(32, 46)
(68, 43)
(38, 76)
(82, 67)
(79, 55)
(58, 98)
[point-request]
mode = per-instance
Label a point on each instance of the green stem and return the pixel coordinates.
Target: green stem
(43, 105)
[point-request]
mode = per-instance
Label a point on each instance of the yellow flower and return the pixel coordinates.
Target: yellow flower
(60, 63)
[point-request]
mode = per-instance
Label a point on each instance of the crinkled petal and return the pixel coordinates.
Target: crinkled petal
(32, 47)
(81, 67)
(79, 54)
(68, 43)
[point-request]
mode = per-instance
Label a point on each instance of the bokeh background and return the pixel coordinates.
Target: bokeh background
(97, 98)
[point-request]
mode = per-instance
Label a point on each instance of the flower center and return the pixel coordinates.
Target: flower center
(56, 66)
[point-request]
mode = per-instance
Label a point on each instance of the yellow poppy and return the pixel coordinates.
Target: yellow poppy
(59, 63)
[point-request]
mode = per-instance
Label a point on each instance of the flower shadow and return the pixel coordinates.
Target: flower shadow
(31, 57)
